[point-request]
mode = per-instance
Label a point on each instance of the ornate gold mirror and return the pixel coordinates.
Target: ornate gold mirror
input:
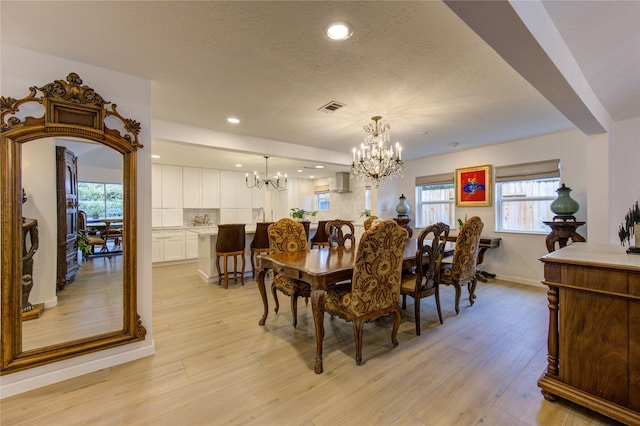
(74, 128)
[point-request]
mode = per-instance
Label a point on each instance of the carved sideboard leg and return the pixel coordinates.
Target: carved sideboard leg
(549, 396)
(552, 338)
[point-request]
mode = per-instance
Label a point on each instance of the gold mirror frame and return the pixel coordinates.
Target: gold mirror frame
(74, 110)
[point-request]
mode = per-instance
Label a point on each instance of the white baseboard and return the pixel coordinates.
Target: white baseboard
(23, 381)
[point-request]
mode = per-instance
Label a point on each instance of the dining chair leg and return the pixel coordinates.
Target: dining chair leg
(294, 309)
(226, 272)
(218, 270)
(252, 257)
(416, 304)
(242, 270)
(437, 296)
(458, 292)
(404, 301)
(472, 290)
(357, 338)
(396, 326)
(275, 298)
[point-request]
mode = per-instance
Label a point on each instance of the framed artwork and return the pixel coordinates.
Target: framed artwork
(473, 186)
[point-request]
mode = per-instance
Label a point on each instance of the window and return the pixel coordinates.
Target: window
(100, 200)
(321, 197)
(524, 193)
(435, 200)
(367, 198)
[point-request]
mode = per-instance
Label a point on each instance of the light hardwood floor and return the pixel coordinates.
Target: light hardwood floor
(214, 365)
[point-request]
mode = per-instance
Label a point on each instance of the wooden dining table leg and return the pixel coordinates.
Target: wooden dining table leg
(317, 307)
(263, 294)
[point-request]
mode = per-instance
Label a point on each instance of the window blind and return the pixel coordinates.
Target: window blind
(321, 189)
(528, 171)
(435, 179)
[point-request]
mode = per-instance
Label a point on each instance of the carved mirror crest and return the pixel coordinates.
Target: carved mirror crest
(73, 130)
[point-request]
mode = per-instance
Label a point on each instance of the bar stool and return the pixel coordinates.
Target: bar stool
(259, 245)
(230, 242)
(320, 239)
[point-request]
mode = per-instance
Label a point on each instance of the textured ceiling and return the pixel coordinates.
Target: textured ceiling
(415, 63)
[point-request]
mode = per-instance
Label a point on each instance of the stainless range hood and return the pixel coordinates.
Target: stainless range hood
(340, 182)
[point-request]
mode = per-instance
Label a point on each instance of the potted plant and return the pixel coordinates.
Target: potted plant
(301, 214)
(365, 213)
(83, 245)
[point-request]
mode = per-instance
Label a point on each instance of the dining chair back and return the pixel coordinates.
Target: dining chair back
(375, 284)
(230, 243)
(288, 236)
(340, 232)
(320, 239)
(259, 245)
(368, 222)
(424, 282)
(91, 239)
(462, 269)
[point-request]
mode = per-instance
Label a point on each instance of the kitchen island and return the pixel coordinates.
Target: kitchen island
(207, 237)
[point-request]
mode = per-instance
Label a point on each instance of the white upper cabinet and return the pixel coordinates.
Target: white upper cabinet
(258, 198)
(171, 187)
(192, 187)
(156, 186)
(210, 189)
(234, 193)
(244, 193)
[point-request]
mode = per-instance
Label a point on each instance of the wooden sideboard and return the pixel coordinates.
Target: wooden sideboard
(594, 329)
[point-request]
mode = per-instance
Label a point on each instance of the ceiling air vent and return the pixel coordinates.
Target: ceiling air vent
(332, 106)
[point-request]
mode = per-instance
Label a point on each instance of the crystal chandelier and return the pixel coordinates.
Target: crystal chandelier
(377, 162)
(277, 182)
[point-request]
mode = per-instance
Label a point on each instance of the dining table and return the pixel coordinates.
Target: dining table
(320, 267)
(103, 226)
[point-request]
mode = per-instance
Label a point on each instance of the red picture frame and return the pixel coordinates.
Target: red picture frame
(473, 186)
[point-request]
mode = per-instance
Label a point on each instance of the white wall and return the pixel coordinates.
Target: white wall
(38, 168)
(624, 174)
(517, 257)
(21, 69)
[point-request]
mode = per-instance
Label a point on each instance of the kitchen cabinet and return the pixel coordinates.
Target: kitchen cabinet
(210, 189)
(200, 188)
(191, 187)
(156, 218)
(168, 245)
(171, 187)
(156, 186)
(234, 192)
(191, 245)
(166, 218)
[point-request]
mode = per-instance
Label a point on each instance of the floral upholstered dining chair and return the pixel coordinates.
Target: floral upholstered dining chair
(462, 269)
(368, 222)
(288, 236)
(375, 288)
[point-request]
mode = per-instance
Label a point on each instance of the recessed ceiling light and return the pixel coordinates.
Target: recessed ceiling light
(319, 166)
(238, 165)
(233, 120)
(299, 170)
(454, 144)
(311, 177)
(155, 156)
(339, 30)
